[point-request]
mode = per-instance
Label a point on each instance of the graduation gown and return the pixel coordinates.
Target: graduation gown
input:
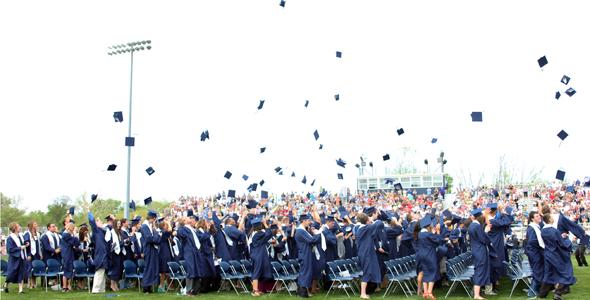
(68, 244)
(221, 244)
(15, 272)
(535, 254)
(406, 247)
(136, 242)
(261, 268)
(151, 242)
(557, 265)
(392, 233)
(426, 256)
(305, 242)
(365, 238)
(291, 245)
(126, 243)
(500, 224)
(238, 238)
(100, 260)
(205, 261)
(165, 254)
(480, 243)
(47, 249)
(33, 245)
(564, 224)
(188, 240)
(349, 249)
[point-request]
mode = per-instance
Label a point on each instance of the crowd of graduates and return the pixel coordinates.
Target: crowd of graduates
(315, 230)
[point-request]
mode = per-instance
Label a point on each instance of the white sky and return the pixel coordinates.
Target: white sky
(420, 65)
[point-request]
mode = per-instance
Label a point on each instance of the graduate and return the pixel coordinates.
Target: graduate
(206, 261)
(534, 250)
(222, 241)
(306, 255)
(33, 238)
(165, 254)
(367, 250)
(480, 244)
(406, 247)
(16, 250)
(558, 270)
(237, 238)
(393, 230)
(190, 246)
(126, 239)
(258, 240)
(429, 239)
(135, 239)
(349, 246)
(100, 259)
(565, 225)
(150, 245)
(288, 227)
(50, 244)
(277, 244)
(500, 223)
(69, 245)
(117, 252)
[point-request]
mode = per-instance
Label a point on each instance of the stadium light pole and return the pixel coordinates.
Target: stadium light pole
(131, 48)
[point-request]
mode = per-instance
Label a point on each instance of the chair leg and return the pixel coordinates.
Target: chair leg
(450, 289)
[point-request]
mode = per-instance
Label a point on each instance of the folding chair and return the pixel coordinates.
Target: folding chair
(227, 276)
(280, 275)
(81, 271)
(341, 278)
(176, 273)
(54, 270)
(131, 271)
(40, 270)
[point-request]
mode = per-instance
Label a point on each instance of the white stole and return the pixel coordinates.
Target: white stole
(537, 230)
(195, 238)
(18, 244)
(227, 239)
(33, 241)
(50, 237)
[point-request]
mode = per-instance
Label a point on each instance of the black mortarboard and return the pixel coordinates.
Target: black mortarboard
(129, 141)
(263, 194)
(570, 92)
(426, 161)
(231, 193)
(304, 181)
(313, 182)
(562, 135)
(118, 116)
(476, 116)
(560, 175)
(282, 4)
(262, 149)
(93, 197)
(111, 167)
(147, 201)
(565, 79)
(370, 210)
(152, 214)
(398, 186)
(253, 187)
(251, 204)
(434, 140)
(337, 97)
(542, 61)
(371, 164)
(72, 210)
(447, 214)
(281, 173)
(150, 171)
(316, 135)
(400, 131)
(338, 54)
(525, 193)
(388, 181)
(189, 213)
(132, 205)
(261, 104)
(227, 174)
(306, 103)
(261, 183)
(321, 146)
(340, 162)
(357, 166)
(293, 174)
(385, 157)
(204, 135)
(278, 169)
(340, 176)
(245, 177)
(557, 95)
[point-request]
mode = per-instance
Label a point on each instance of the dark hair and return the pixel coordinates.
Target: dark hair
(547, 218)
(481, 219)
(49, 225)
(416, 230)
(532, 216)
(82, 233)
(545, 210)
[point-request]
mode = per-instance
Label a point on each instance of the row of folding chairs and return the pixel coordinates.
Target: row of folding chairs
(47, 270)
(401, 272)
(460, 271)
(517, 270)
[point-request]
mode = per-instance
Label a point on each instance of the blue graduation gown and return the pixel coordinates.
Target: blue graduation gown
(348, 243)
(406, 247)
(221, 247)
(237, 251)
(305, 241)
(392, 233)
(49, 252)
(261, 268)
(426, 256)
(29, 264)
(15, 272)
(534, 252)
(480, 242)
(68, 245)
(189, 249)
(331, 245)
(100, 260)
(165, 254)
(500, 224)
(126, 243)
(558, 265)
(365, 238)
(291, 244)
(151, 242)
(564, 224)
(205, 261)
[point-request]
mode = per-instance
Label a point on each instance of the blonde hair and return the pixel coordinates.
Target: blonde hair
(70, 227)
(13, 227)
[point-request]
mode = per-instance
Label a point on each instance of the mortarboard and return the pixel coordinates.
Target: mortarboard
(509, 210)
(434, 140)
(304, 217)
(426, 161)
(316, 135)
(338, 54)
(476, 116)
(118, 116)
(253, 187)
(263, 194)
(129, 141)
(321, 146)
(261, 104)
(256, 221)
(357, 166)
(293, 174)
(262, 149)
(204, 135)
(476, 212)
(282, 4)
(369, 210)
(93, 197)
(570, 189)
(542, 61)
(150, 171)
(426, 221)
(565, 79)
(278, 169)
(135, 222)
(231, 193)
(398, 186)
(313, 182)
(447, 214)
(261, 183)
(152, 214)
(388, 181)
(189, 213)
(386, 157)
(330, 218)
(306, 103)
(111, 167)
(570, 92)
(245, 177)
(400, 131)
(72, 210)
(304, 181)
(251, 204)
(340, 176)
(560, 175)
(132, 205)
(371, 164)
(147, 200)
(337, 97)
(274, 227)
(227, 174)
(525, 194)
(557, 95)
(492, 205)
(281, 173)
(562, 135)
(340, 162)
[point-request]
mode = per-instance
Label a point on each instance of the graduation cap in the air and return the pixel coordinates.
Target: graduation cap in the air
(398, 186)
(72, 210)
(293, 174)
(251, 204)
(565, 79)
(562, 135)
(132, 205)
(557, 95)
(231, 193)
(93, 197)
(434, 140)
(400, 131)
(426, 221)
(111, 167)
(338, 54)
(278, 169)
(204, 135)
(306, 103)
(388, 181)
(147, 201)
(263, 195)
(227, 174)
(282, 4)
(476, 116)
(150, 171)
(316, 135)
(253, 187)
(261, 104)
(371, 164)
(262, 149)
(337, 97)
(313, 182)
(118, 116)
(321, 146)
(245, 177)
(340, 176)
(560, 175)
(129, 141)
(570, 92)
(304, 181)
(386, 157)
(261, 183)
(542, 61)
(340, 162)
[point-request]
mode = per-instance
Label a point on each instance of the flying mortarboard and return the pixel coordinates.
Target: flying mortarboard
(306, 103)
(245, 177)
(542, 61)
(316, 135)
(570, 92)
(111, 167)
(357, 166)
(253, 187)
(72, 210)
(261, 183)
(562, 135)
(304, 181)
(313, 182)
(565, 79)
(147, 201)
(557, 95)
(560, 175)
(340, 162)
(400, 131)
(93, 197)
(150, 171)
(386, 157)
(434, 140)
(262, 149)
(118, 116)
(227, 174)
(293, 174)
(321, 146)
(388, 181)
(278, 169)
(340, 176)
(204, 135)
(282, 4)
(129, 141)
(337, 97)
(263, 194)
(398, 187)
(261, 104)
(132, 205)
(338, 54)
(231, 193)
(476, 116)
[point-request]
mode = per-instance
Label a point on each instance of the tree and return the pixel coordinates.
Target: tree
(57, 210)
(9, 211)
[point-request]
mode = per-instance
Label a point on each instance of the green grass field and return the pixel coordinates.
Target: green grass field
(579, 291)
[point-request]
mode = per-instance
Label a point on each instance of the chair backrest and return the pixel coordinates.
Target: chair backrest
(183, 265)
(277, 267)
(53, 265)
(39, 267)
(225, 267)
(247, 264)
(141, 265)
(129, 267)
(287, 266)
(80, 267)
(236, 265)
(174, 269)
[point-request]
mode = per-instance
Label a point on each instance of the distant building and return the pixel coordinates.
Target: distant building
(421, 183)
